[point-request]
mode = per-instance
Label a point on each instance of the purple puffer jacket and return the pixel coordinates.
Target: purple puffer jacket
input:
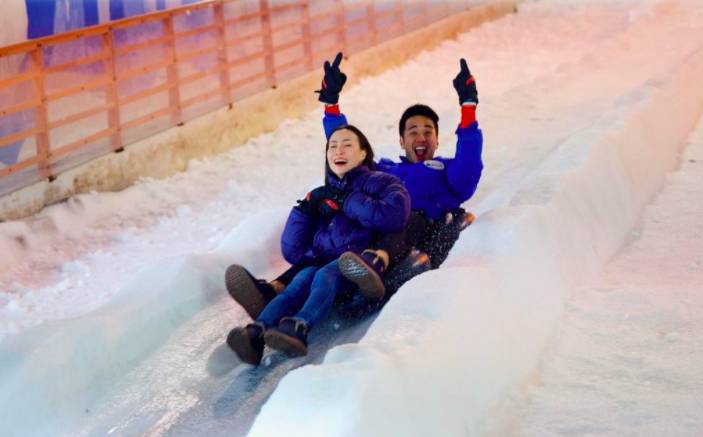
(376, 203)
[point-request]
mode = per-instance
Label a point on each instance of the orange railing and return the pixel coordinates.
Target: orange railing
(69, 98)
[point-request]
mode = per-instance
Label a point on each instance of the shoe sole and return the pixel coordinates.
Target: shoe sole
(243, 290)
(356, 270)
(406, 270)
(468, 219)
(238, 340)
(281, 342)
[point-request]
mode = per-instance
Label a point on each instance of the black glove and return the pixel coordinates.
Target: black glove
(333, 81)
(465, 84)
(325, 201)
(306, 207)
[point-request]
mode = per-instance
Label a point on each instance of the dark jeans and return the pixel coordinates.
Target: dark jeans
(308, 297)
(286, 277)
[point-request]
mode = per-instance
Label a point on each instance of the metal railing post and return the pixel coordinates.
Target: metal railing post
(174, 92)
(113, 113)
(307, 39)
(41, 116)
(401, 16)
(371, 22)
(341, 25)
(268, 42)
(222, 59)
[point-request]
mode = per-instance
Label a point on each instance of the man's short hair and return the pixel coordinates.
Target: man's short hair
(418, 109)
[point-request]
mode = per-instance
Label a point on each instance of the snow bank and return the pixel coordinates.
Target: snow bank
(442, 353)
(627, 357)
(59, 370)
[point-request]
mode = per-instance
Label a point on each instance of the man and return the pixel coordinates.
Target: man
(437, 186)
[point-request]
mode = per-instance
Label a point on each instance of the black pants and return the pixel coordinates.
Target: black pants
(434, 237)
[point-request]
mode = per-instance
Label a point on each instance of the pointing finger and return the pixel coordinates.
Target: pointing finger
(337, 60)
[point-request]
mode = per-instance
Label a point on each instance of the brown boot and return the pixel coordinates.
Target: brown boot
(365, 271)
(248, 342)
(251, 293)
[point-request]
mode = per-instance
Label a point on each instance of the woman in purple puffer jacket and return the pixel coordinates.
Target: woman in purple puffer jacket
(354, 208)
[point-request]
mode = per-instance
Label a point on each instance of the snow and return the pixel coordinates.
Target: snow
(631, 341)
(113, 311)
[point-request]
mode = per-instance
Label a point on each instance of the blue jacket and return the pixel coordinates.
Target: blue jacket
(438, 185)
(376, 203)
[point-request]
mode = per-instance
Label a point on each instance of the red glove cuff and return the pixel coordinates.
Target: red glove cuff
(468, 115)
(332, 109)
(332, 204)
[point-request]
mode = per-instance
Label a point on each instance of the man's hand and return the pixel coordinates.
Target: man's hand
(465, 85)
(333, 81)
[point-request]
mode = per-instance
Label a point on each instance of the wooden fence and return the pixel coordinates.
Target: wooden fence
(69, 98)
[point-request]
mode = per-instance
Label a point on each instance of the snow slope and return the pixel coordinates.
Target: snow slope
(630, 345)
(113, 308)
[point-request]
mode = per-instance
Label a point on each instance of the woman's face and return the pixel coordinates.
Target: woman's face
(344, 152)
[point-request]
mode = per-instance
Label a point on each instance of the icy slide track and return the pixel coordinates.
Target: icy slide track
(582, 122)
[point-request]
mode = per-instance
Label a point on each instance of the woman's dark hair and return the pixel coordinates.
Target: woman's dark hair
(363, 143)
(418, 109)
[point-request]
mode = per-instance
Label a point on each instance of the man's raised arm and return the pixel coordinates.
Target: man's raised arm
(465, 171)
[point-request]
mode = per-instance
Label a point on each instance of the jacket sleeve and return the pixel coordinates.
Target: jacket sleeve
(332, 121)
(382, 205)
(464, 171)
(298, 235)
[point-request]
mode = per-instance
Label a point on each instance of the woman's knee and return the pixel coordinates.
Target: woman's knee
(327, 274)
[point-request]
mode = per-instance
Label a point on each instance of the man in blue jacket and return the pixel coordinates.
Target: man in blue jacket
(437, 186)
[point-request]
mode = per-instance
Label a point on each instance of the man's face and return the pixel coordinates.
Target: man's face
(419, 139)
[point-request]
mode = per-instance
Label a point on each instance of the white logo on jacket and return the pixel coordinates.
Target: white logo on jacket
(434, 164)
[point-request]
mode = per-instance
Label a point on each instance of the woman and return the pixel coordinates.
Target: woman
(352, 210)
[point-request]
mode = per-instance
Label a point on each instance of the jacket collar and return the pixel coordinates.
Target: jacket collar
(348, 178)
(405, 160)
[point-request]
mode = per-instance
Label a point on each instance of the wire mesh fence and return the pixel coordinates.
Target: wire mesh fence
(70, 98)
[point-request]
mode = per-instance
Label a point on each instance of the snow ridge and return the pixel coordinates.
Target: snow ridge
(50, 369)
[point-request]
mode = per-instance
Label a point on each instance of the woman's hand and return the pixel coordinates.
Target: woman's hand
(325, 200)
